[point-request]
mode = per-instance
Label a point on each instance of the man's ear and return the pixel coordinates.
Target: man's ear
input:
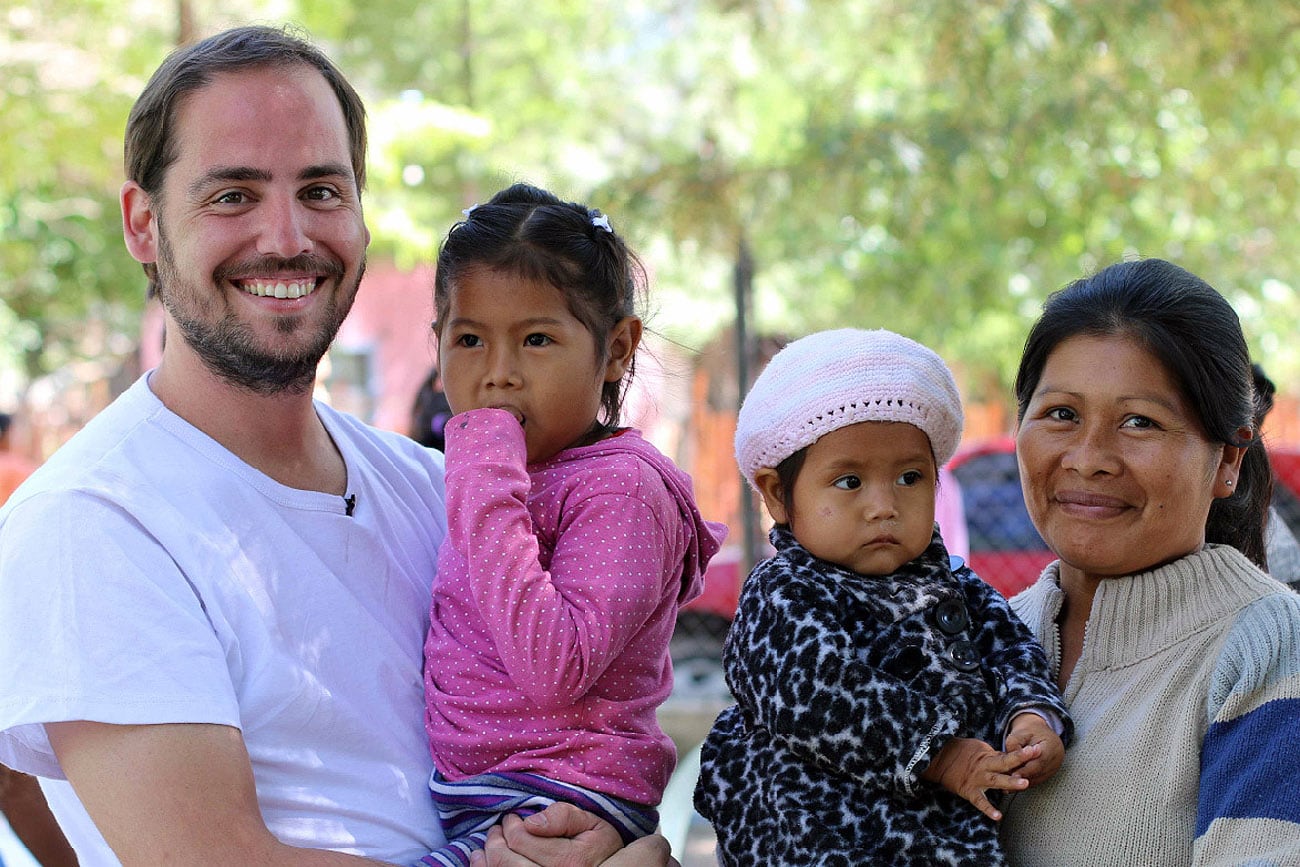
(773, 493)
(621, 346)
(139, 223)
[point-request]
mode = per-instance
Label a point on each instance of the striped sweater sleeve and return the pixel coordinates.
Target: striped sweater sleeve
(1249, 799)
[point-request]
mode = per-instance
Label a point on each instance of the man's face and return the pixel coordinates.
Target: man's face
(258, 232)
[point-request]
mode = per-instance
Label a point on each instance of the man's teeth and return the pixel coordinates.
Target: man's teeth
(280, 289)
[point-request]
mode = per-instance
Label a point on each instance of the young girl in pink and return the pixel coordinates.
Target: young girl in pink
(571, 541)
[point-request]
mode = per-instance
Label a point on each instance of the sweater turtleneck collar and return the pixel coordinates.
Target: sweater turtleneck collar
(1138, 615)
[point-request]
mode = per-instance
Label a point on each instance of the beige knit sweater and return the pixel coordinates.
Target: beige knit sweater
(1206, 639)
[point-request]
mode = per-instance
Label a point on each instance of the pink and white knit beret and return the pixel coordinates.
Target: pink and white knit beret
(833, 379)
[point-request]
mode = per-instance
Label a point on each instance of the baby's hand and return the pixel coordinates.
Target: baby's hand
(1029, 729)
(967, 767)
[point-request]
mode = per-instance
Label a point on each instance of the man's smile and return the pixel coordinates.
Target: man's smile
(295, 288)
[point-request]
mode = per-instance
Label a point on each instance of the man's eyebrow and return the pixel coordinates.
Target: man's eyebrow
(228, 174)
(325, 170)
(225, 174)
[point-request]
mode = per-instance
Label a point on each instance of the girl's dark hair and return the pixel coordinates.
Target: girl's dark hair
(1194, 332)
(530, 232)
(787, 472)
(1264, 391)
(430, 413)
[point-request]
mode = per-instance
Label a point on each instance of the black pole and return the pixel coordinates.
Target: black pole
(744, 280)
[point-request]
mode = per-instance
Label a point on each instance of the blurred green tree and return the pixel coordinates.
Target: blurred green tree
(931, 166)
(70, 71)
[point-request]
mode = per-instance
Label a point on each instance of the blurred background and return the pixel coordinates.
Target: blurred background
(936, 167)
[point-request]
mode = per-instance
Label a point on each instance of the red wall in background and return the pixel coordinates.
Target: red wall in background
(390, 323)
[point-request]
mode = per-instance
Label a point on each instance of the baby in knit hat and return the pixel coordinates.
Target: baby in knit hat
(882, 688)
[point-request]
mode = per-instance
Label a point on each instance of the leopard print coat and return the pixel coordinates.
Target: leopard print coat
(847, 685)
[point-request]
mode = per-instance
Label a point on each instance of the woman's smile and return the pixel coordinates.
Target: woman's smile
(1089, 505)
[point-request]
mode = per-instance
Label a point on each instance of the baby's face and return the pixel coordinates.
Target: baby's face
(864, 498)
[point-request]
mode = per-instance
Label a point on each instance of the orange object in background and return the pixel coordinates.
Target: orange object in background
(14, 468)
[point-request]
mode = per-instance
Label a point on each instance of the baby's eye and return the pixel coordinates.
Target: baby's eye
(909, 478)
(536, 340)
(849, 482)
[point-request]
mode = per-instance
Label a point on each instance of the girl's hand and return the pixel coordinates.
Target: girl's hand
(1029, 729)
(968, 767)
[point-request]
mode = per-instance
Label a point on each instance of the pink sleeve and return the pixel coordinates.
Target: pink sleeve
(556, 631)
(950, 512)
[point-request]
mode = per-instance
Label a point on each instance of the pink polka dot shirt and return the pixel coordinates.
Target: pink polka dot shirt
(556, 595)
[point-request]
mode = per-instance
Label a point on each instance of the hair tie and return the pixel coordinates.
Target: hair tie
(469, 210)
(600, 221)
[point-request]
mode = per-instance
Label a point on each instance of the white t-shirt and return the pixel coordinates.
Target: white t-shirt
(147, 575)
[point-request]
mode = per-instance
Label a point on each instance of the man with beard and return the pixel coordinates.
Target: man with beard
(213, 599)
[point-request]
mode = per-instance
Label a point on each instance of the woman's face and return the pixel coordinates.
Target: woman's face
(1117, 474)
